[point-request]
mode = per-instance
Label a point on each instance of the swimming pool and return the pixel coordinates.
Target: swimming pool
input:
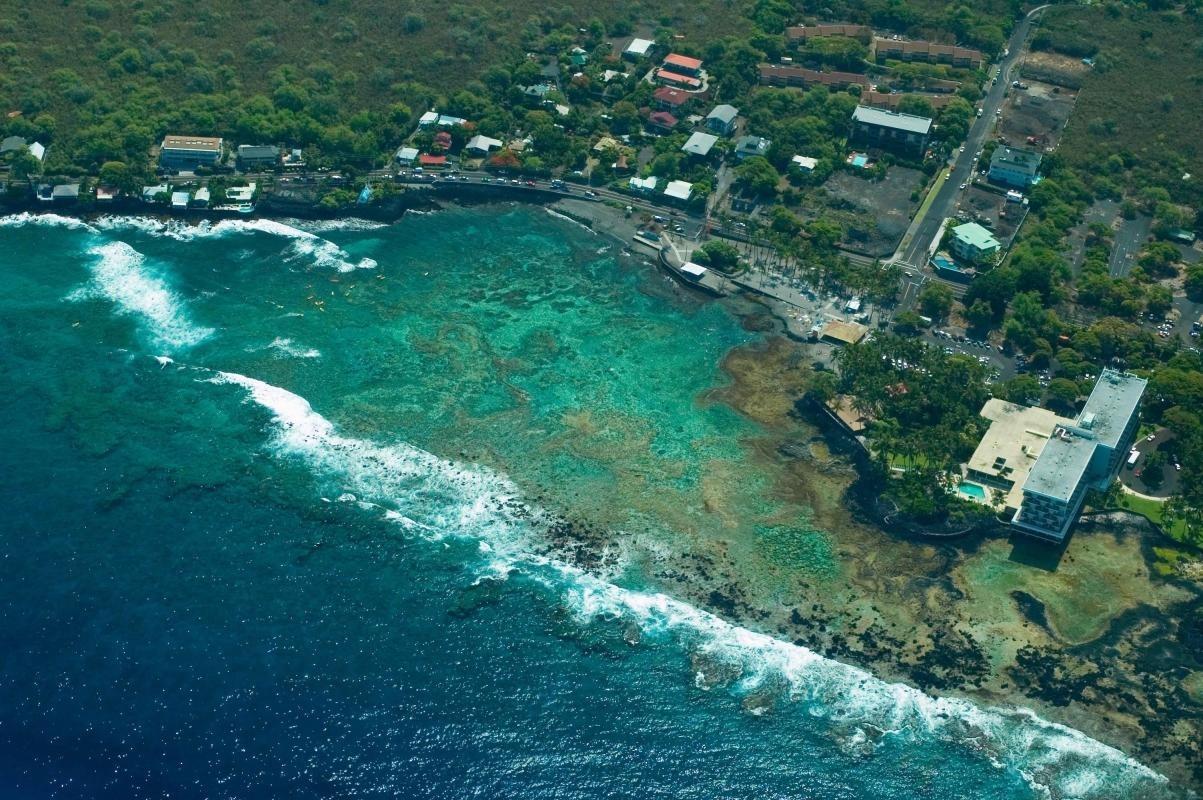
(972, 491)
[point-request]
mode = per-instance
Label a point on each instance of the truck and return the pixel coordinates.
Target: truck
(1133, 457)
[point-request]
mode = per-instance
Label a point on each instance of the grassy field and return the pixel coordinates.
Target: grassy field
(1141, 102)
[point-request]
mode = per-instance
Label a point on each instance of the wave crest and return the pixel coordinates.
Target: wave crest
(304, 244)
(120, 275)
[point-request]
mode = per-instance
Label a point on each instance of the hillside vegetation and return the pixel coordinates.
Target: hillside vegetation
(1136, 124)
(102, 80)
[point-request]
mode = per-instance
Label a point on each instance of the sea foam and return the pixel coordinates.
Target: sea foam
(436, 498)
(306, 245)
(27, 218)
(121, 276)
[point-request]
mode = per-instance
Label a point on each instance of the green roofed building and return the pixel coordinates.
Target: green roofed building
(972, 243)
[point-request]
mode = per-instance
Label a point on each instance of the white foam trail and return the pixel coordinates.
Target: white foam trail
(304, 244)
(121, 276)
(436, 498)
(567, 218)
(289, 349)
(51, 220)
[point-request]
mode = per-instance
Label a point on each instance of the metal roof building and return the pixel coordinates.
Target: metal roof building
(699, 144)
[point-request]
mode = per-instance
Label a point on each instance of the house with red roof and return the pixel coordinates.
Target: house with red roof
(682, 65)
(662, 121)
(670, 99)
(432, 161)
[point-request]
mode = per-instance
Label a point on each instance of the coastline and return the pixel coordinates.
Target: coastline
(939, 656)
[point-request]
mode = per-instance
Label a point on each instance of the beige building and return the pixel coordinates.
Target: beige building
(1007, 453)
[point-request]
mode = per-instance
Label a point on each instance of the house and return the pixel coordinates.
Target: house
(606, 143)
(441, 120)
(442, 140)
(1012, 166)
(890, 130)
(682, 65)
(639, 49)
(38, 150)
(180, 200)
(700, 144)
(643, 185)
(804, 163)
(748, 146)
(579, 57)
(242, 194)
(11, 144)
(662, 121)
(106, 194)
(1041, 464)
(257, 157)
(149, 193)
(930, 52)
(406, 155)
(677, 79)
(679, 191)
(670, 99)
(294, 159)
(189, 152)
(802, 78)
(972, 243)
(801, 33)
(63, 193)
(431, 161)
(200, 199)
(721, 119)
(482, 144)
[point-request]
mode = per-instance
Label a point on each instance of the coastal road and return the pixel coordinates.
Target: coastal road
(924, 231)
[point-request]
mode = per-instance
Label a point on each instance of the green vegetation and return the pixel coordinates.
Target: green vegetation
(924, 409)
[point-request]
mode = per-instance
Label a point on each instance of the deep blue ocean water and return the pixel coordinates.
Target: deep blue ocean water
(257, 541)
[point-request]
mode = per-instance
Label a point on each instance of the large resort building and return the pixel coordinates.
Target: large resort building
(1043, 464)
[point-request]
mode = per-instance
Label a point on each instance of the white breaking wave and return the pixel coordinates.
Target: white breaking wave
(288, 348)
(120, 275)
(304, 244)
(343, 224)
(567, 218)
(436, 499)
(54, 220)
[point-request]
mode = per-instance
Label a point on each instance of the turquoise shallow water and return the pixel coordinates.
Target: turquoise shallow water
(280, 506)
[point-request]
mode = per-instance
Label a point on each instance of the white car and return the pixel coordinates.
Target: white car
(963, 185)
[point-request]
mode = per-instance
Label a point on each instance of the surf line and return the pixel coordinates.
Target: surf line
(439, 499)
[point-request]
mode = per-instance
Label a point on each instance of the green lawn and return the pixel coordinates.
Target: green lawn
(1153, 512)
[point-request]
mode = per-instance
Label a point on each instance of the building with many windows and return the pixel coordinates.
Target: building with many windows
(1012, 166)
(189, 152)
(890, 130)
(972, 244)
(1042, 465)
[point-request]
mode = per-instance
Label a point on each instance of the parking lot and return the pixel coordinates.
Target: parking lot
(1134, 476)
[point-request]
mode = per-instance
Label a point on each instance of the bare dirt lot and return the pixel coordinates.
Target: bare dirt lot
(880, 210)
(1039, 111)
(994, 212)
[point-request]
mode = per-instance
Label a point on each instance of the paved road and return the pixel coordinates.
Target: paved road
(923, 236)
(1128, 240)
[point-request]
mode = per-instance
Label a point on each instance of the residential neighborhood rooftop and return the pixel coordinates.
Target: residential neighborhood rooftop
(700, 144)
(976, 236)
